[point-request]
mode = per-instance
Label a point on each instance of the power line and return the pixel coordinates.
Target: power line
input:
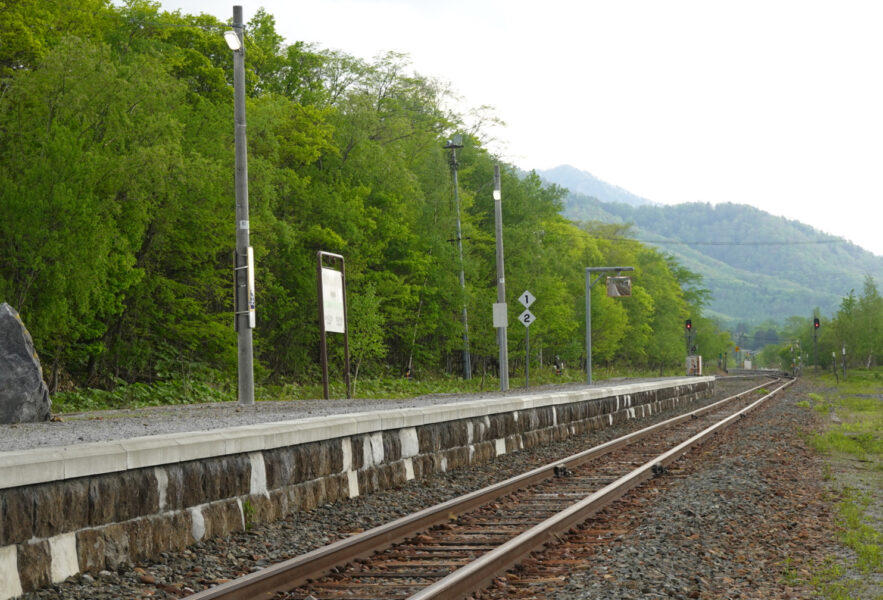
(671, 242)
(746, 243)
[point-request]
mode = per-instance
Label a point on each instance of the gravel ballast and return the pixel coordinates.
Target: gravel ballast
(752, 519)
(751, 508)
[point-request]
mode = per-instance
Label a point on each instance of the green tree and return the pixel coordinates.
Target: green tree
(366, 329)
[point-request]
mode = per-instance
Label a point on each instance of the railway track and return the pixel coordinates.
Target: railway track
(454, 548)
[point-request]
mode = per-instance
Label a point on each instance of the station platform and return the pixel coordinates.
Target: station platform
(95, 490)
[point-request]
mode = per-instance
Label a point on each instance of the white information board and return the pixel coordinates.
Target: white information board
(332, 300)
(501, 314)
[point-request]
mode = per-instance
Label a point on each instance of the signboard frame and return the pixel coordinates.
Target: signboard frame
(323, 341)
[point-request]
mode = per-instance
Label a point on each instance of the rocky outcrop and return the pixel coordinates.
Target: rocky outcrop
(24, 396)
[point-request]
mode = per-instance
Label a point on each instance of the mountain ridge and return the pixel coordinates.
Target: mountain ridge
(584, 183)
(758, 267)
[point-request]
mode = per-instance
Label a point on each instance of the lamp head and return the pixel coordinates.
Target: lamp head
(232, 39)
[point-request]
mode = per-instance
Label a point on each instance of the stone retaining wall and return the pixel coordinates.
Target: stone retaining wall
(54, 529)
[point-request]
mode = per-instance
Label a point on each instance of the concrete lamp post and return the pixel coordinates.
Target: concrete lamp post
(243, 263)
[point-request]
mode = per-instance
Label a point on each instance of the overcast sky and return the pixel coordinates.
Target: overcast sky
(777, 104)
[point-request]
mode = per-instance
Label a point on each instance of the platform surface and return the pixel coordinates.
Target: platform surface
(85, 444)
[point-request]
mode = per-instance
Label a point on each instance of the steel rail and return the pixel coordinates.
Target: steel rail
(294, 572)
(477, 574)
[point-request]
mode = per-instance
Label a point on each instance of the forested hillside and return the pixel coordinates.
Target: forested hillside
(758, 267)
(117, 219)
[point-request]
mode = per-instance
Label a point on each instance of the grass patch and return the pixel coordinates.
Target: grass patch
(140, 395)
(853, 440)
(215, 388)
(857, 533)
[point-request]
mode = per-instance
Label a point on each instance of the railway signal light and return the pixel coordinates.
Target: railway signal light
(815, 323)
(688, 324)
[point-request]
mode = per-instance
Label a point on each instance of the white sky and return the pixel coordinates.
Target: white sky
(777, 104)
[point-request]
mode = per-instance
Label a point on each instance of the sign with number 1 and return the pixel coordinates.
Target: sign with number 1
(526, 299)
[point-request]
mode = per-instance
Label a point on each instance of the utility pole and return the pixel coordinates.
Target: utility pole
(502, 337)
(452, 145)
(243, 262)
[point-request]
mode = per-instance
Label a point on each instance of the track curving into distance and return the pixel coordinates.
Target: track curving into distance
(457, 547)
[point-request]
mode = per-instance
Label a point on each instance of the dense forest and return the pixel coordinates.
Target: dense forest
(117, 210)
(851, 337)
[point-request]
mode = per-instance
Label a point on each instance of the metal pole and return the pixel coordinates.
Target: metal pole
(527, 358)
(502, 335)
(589, 285)
(246, 356)
(323, 337)
(467, 362)
(346, 333)
(588, 327)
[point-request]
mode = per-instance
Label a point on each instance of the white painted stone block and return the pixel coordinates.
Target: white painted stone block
(409, 441)
(162, 486)
(470, 432)
(197, 528)
(346, 447)
(409, 469)
(241, 512)
(376, 448)
(258, 474)
(63, 556)
(353, 481)
(500, 446)
(10, 584)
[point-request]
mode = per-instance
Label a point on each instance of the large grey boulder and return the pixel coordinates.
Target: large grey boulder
(24, 397)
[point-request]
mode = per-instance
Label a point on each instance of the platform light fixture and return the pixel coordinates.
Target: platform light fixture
(233, 41)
